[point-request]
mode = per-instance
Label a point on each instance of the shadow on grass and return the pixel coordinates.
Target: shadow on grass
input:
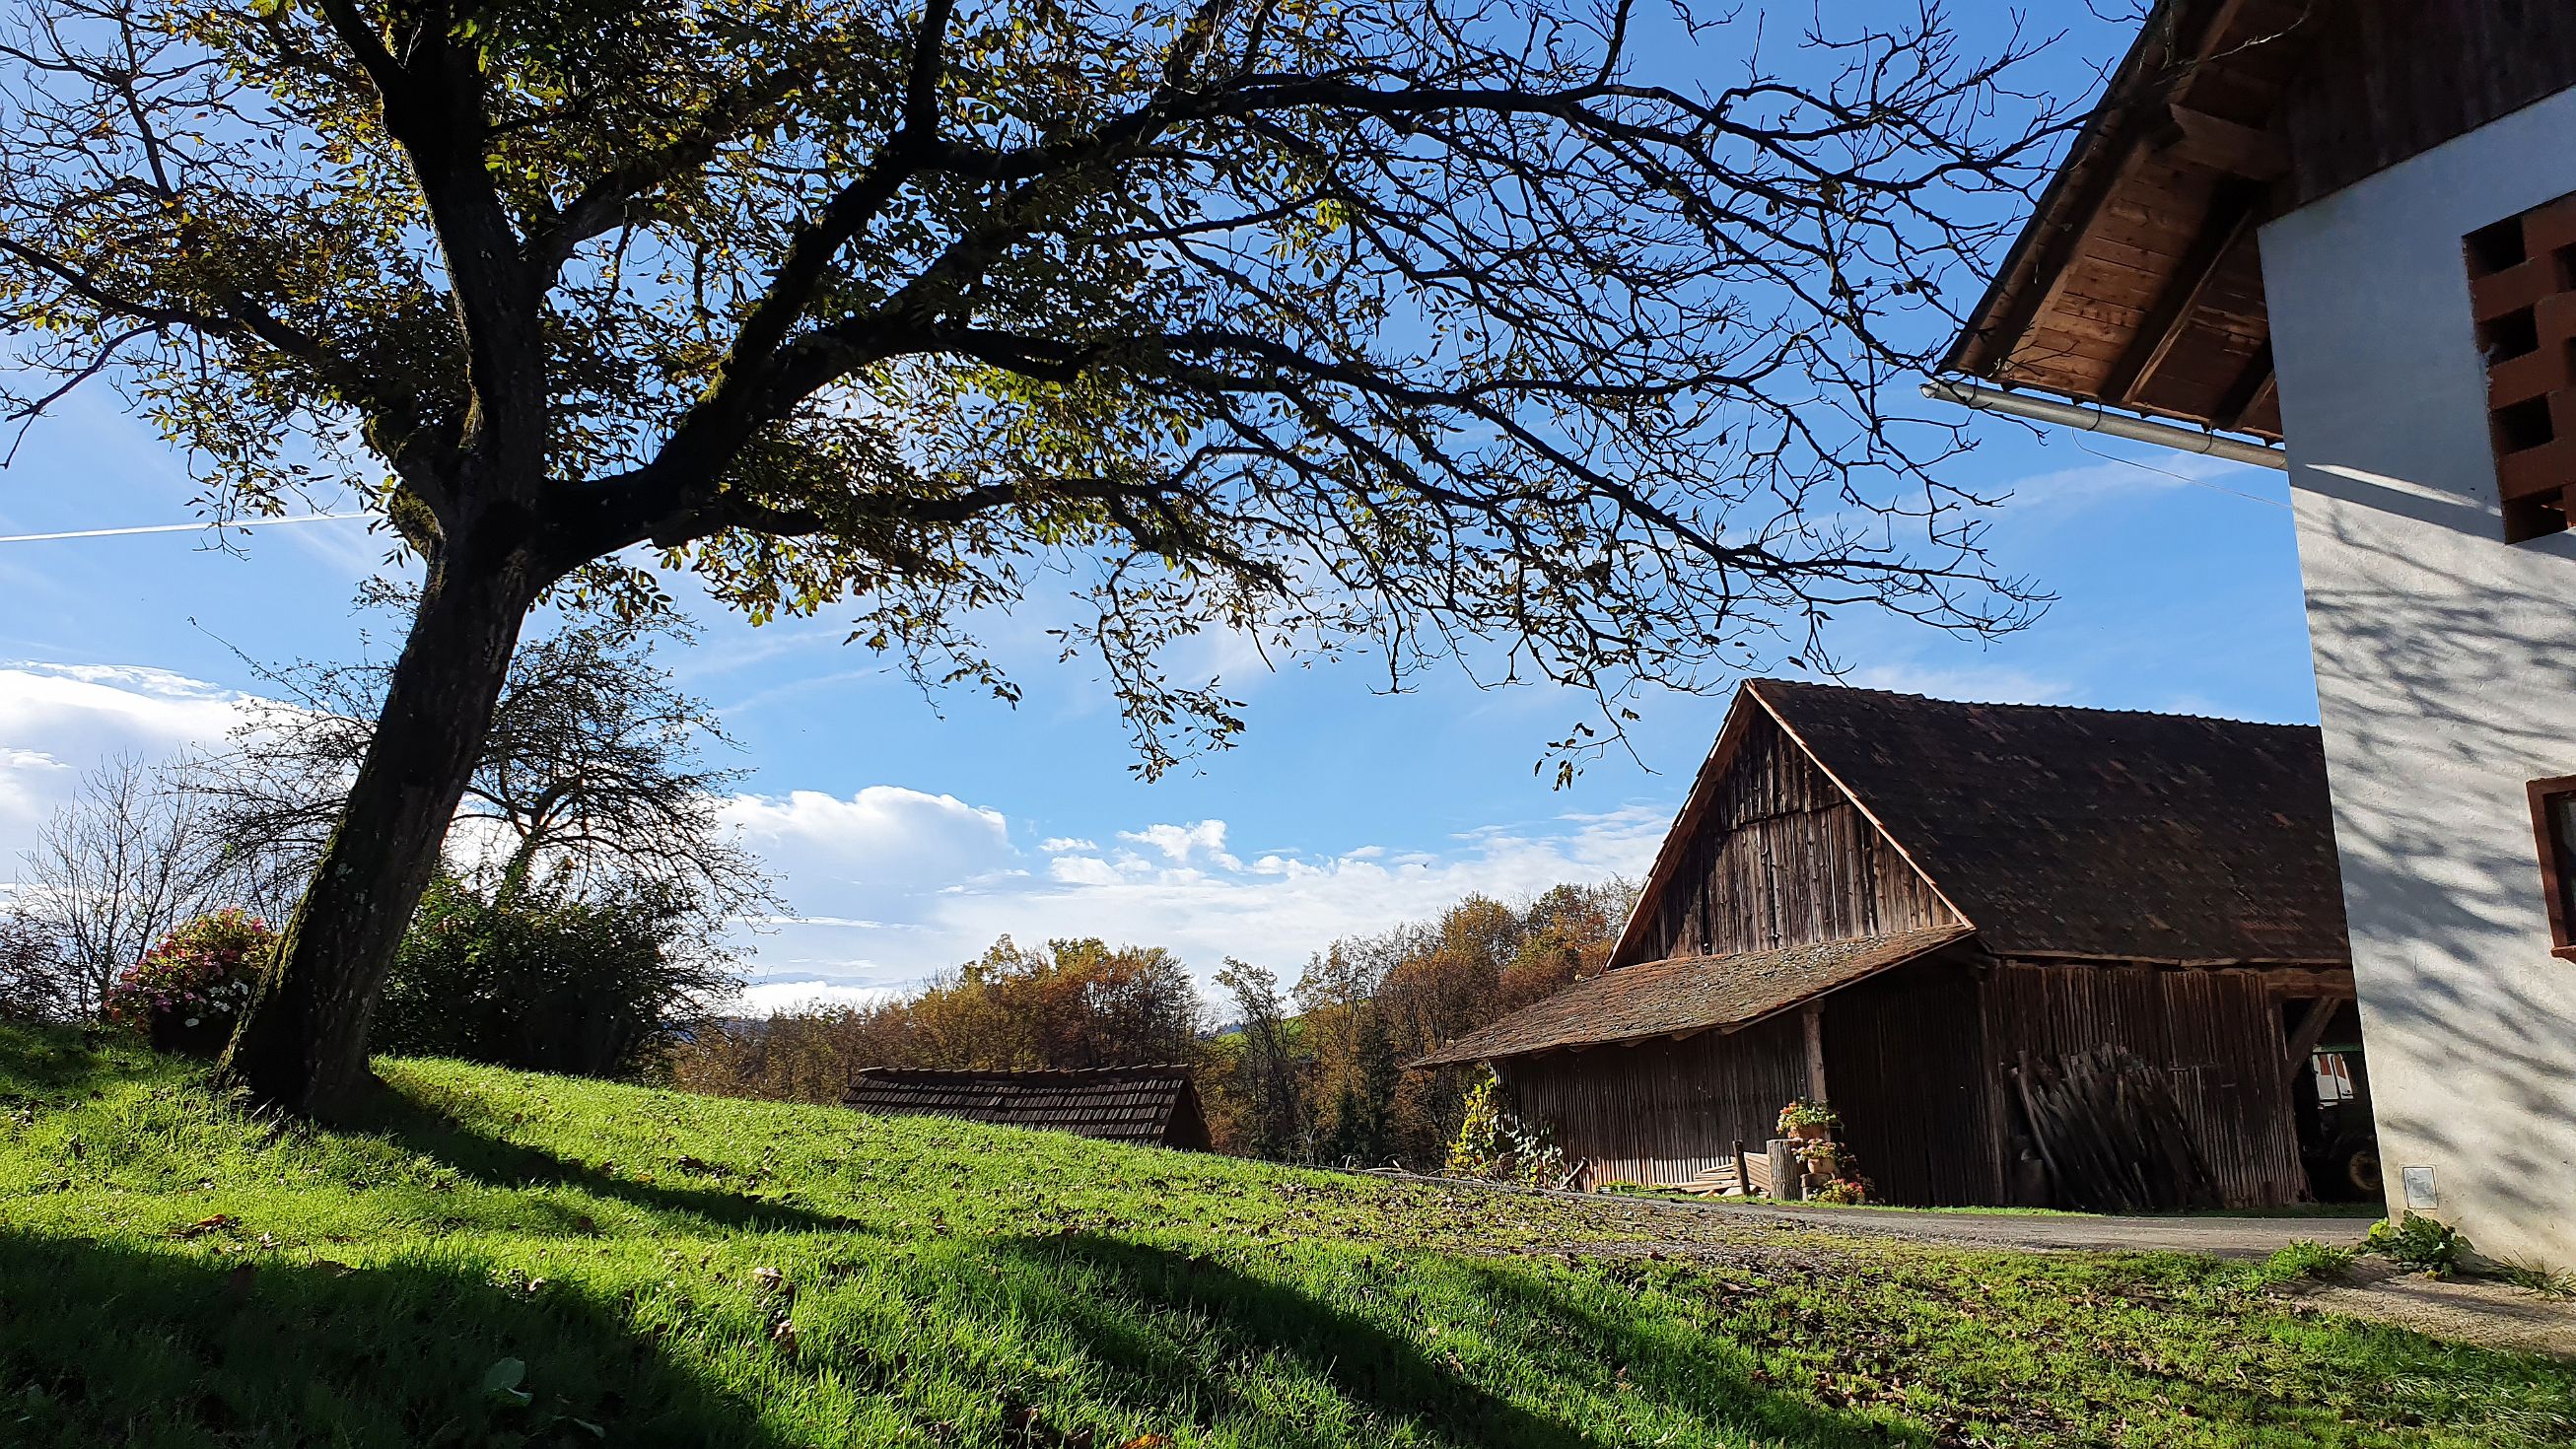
(102, 1344)
(57, 1063)
(1120, 1300)
(428, 1127)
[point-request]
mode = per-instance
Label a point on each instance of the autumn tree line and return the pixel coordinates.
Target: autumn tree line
(1311, 1072)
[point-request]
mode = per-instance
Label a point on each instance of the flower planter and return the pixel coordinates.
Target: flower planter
(1810, 1131)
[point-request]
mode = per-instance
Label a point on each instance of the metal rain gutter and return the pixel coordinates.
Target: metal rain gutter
(1987, 399)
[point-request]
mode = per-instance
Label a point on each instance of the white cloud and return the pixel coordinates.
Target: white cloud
(60, 720)
(1281, 909)
(883, 833)
(845, 922)
(2047, 496)
(1083, 870)
(1179, 842)
(764, 997)
(890, 886)
(1182, 890)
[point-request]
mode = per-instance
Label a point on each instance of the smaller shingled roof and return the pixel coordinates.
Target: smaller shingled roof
(1151, 1105)
(1688, 994)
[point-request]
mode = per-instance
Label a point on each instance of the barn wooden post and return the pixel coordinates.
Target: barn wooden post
(1815, 1020)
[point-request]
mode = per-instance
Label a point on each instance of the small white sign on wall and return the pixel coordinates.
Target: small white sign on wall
(2419, 1187)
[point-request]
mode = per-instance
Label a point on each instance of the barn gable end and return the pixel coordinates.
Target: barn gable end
(1770, 852)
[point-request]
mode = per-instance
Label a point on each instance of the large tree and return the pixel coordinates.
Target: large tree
(1535, 332)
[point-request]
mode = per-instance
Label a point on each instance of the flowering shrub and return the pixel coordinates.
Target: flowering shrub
(1848, 1191)
(189, 988)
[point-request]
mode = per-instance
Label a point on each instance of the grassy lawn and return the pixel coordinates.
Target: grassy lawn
(506, 1259)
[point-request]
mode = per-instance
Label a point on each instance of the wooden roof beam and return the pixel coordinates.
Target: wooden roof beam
(2303, 1038)
(2245, 394)
(2232, 214)
(2226, 147)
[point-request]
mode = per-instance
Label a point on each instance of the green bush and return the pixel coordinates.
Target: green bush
(2419, 1242)
(544, 981)
(1496, 1146)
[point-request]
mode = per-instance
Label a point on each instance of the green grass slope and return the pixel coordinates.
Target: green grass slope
(503, 1259)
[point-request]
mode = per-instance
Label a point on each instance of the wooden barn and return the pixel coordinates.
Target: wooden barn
(1941, 918)
(1155, 1106)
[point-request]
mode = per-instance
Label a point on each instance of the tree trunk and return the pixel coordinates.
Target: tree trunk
(302, 1044)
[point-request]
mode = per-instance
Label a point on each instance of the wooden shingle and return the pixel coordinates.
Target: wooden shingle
(1150, 1105)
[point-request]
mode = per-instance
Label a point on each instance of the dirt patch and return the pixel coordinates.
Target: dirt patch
(2489, 1315)
(2217, 1235)
(1772, 1235)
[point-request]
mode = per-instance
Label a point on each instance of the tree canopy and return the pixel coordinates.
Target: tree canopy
(1541, 333)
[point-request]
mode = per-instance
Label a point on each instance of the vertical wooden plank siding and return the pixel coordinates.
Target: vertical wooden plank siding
(1782, 858)
(1905, 1054)
(2216, 1032)
(1917, 1060)
(1663, 1111)
(2390, 79)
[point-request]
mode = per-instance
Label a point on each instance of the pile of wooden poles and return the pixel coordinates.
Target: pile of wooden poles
(2108, 1128)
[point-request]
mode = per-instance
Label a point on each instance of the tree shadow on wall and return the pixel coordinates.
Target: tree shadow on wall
(2412, 665)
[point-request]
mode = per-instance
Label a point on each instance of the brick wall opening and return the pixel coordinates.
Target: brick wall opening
(2522, 285)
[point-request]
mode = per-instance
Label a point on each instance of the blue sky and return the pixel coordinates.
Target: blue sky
(909, 834)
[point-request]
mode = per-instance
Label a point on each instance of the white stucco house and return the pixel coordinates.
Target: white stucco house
(2348, 228)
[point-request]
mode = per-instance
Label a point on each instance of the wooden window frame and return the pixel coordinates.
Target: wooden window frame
(2562, 929)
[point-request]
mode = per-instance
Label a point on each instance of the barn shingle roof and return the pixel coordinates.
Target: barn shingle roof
(2100, 833)
(1690, 994)
(1151, 1105)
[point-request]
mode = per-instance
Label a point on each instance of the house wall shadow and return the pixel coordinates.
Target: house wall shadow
(2469, 1023)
